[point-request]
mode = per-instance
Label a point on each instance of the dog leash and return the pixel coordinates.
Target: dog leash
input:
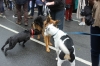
(83, 33)
(46, 10)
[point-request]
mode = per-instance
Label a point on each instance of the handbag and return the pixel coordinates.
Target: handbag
(89, 20)
(67, 6)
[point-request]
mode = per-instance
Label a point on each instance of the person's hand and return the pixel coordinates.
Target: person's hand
(49, 3)
(43, 0)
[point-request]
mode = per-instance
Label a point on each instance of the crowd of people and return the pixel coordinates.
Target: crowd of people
(58, 10)
(64, 8)
(28, 9)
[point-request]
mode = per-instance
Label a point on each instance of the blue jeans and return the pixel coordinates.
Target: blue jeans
(10, 5)
(95, 46)
(58, 15)
(1, 6)
(32, 8)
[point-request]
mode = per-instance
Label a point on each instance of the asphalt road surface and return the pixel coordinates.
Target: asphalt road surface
(34, 53)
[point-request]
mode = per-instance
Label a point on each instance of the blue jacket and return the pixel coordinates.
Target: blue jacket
(39, 2)
(21, 1)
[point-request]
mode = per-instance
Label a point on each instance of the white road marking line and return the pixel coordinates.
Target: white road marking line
(77, 58)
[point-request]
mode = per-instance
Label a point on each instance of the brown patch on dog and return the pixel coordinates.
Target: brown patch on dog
(48, 20)
(67, 57)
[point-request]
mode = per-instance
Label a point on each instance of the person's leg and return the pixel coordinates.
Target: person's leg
(70, 12)
(25, 9)
(18, 8)
(5, 3)
(28, 5)
(0, 7)
(2, 12)
(40, 10)
(52, 13)
(32, 9)
(82, 21)
(10, 5)
(60, 16)
(67, 14)
(14, 9)
(95, 46)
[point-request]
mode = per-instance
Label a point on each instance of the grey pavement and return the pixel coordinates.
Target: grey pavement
(34, 54)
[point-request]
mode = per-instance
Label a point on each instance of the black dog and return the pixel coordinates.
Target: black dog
(23, 36)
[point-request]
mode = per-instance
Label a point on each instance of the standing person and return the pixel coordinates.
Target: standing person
(31, 8)
(39, 4)
(81, 5)
(95, 29)
(19, 4)
(69, 10)
(57, 10)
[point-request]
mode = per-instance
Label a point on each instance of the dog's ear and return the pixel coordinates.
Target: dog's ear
(57, 21)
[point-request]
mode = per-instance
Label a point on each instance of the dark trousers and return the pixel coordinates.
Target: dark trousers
(25, 11)
(58, 15)
(6, 3)
(32, 8)
(10, 5)
(40, 8)
(1, 6)
(95, 46)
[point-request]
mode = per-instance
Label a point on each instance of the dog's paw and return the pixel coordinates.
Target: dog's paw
(38, 37)
(48, 50)
(50, 44)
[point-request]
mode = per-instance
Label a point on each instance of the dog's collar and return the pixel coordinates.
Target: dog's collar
(55, 33)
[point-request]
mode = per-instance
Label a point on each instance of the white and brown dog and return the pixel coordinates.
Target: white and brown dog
(63, 44)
